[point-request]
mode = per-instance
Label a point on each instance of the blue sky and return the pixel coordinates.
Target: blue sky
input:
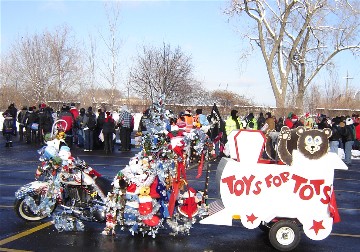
(199, 27)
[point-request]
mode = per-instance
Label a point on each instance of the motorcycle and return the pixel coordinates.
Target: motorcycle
(73, 186)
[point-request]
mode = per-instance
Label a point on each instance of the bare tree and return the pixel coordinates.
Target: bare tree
(111, 68)
(45, 66)
(298, 38)
(162, 71)
(228, 99)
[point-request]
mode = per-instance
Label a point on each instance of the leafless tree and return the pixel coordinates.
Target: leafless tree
(45, 66)
(298, 38)
(228, 99)
(330, 96)
(162, 71)
(110, 69)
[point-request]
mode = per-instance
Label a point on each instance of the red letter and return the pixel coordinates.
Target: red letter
(285, 176)
(326, 192)
(302, 192)
(267, 179)
(317, 183)
(299, 180)
(236, 191)
(258, 189)
(248, 183)
(277, 181)
(229, 181)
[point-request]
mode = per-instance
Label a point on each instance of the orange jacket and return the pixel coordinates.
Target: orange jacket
(189, 120)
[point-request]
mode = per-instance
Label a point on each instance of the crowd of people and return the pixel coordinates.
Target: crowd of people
(89, 130)
(82, 127)
(345, 129)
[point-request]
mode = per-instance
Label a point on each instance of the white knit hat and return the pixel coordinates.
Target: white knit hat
(349, 121)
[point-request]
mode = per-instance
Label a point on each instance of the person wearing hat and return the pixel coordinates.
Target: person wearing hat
(348, 135)
(233, 122)
(288, 121)
(309, 121)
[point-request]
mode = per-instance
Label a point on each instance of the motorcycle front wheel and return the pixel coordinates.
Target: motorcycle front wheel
(24, 211)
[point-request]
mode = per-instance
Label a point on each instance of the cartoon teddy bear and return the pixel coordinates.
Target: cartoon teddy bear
(313, 144)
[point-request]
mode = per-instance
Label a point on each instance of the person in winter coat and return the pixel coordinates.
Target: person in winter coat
(251, 122)
(288, 121)
(270, 122)
(200, 119)
(80, 126)
(31, 119)
(99, 126)
(45, 121)
(142, 124)
(8, 127)
(181, 121)
(356, 120)
(67, 116)
(13, 112)
(75, 112)
(279, 124)
(20, 120)
(189, 120)
(126, 124)
(261, 121)
(233, 122)
(108, 132)
(335, 135)
(89, 124)
(348, 135)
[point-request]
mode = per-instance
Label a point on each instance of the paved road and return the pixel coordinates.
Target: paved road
(17, 167)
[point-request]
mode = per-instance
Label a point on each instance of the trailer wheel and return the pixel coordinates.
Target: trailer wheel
(284, 235)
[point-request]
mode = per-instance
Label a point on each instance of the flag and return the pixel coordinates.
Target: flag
(334, 213)
(215, 114)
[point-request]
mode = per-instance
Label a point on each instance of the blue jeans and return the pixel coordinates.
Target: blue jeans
(81, 137)
(348, 148)
(89, 139)
(334, 145)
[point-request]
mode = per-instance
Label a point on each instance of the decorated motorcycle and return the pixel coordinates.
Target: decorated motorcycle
(65, 188)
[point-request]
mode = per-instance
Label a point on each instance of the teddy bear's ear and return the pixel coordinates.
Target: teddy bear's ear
(284, 128)
(300, 130)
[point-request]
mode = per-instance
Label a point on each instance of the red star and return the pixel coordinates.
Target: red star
(317, 225)
(251, 218)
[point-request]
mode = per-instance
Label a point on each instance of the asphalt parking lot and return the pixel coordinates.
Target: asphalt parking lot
(17, 167)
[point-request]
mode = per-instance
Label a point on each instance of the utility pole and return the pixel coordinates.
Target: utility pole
(347, 83)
